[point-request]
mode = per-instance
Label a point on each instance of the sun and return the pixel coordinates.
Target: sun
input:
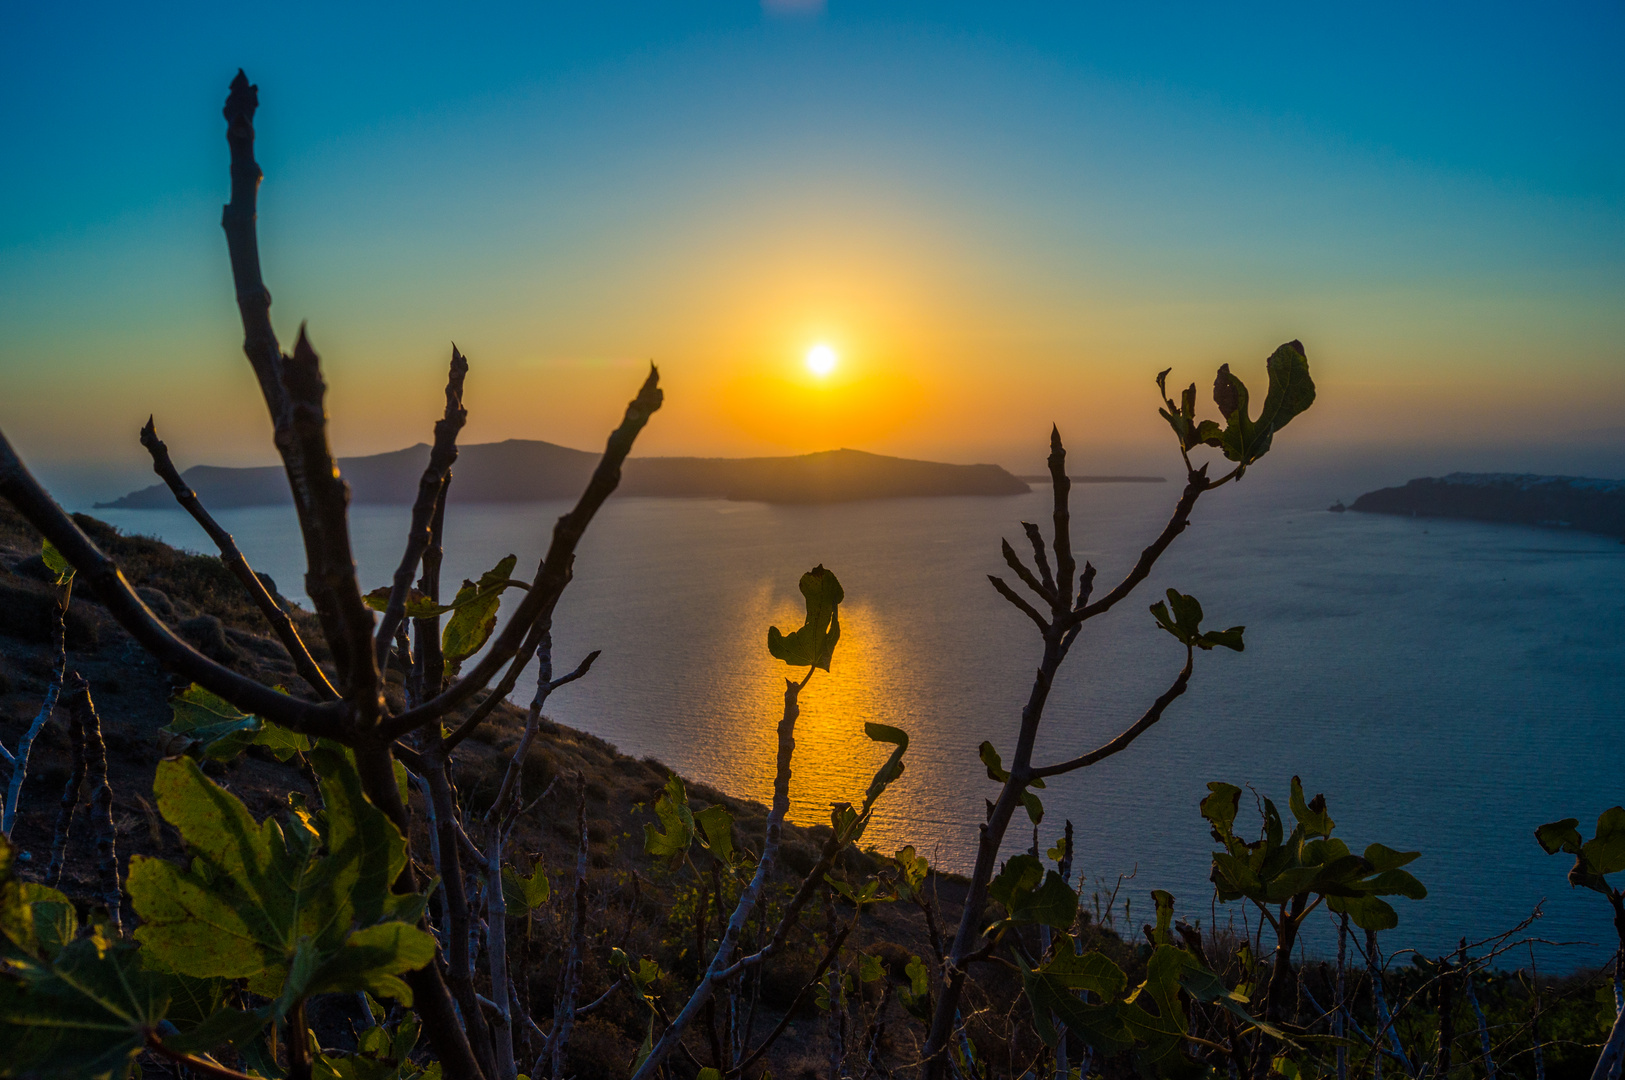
(821, 359)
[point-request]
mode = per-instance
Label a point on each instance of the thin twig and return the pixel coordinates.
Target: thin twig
(25, 746)
(24, 492)
(719, 966)
(441, 458)
(234, 561)
(83, 710)
(565, 1015)
(1141, 726)
(553, 574)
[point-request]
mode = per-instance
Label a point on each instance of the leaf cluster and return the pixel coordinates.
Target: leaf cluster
(1302, 868)
(1242, 438)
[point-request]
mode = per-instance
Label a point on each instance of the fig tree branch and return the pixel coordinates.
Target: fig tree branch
(294, 392)
(1140, 727)
(1196, 483)
(283, 626)
(553, 574)
(18, 486)
(441, 458)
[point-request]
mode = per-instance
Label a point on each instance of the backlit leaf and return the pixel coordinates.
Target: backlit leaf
(813, 645)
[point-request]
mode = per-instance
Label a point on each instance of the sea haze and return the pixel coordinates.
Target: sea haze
(1448, 685)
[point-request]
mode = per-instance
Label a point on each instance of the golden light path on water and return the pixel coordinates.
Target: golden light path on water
(834, 759)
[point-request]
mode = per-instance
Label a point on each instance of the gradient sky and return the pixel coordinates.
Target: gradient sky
(999, 215)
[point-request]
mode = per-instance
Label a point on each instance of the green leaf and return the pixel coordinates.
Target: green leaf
(912, 870)
(1164, 900)
(870, 968)
(1049, 990)
(257, 899)
(35, 918)
(83, 1015)
(1291, 389)
(1220, 807)
(1052, 904)
(56, 563)
(1555, 836)
(714, 827)
(1035, 808)
(225, 1027)
(995, 764)
(1382, 857)
(522, 895)
(1021, 875)
(1604, 853)
(1368, 912)
(813, 645)
(890, 770)
(1314, 822)
(214, 728)
(1181, 616)
(476, 605)
(1397, 883)
(671, 808)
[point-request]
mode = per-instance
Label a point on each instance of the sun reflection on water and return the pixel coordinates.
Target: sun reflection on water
(834, 760)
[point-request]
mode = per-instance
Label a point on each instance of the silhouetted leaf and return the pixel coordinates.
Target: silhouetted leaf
(813, 645)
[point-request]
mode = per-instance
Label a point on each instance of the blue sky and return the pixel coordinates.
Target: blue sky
(1003, 214)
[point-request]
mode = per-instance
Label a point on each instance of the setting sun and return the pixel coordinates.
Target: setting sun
(821, 359)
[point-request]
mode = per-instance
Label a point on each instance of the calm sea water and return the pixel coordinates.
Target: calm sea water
(1449, 686)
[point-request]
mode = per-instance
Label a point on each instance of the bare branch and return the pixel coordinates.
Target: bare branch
(1015, 598)
(719, 967)
(553, 574)
(428, 674)
(25, 746)
(441, 458)
(283, 626)
(20, 488)
(1062, 485)
(1014, 562)
(496, 930)
(294, 392)
(242, 240)
(545, 685)
(503, 688)
(89, 725)
(1141, 726)
(323, 500)
(565, 1014)
(1036, 539)
(830, 954)
(201, 1064)
(1194, 486)
(460, 962)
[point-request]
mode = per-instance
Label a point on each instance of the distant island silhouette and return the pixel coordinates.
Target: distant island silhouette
(528, 470)
(1572, 502)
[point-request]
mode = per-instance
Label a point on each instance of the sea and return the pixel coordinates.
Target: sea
(1448, 685)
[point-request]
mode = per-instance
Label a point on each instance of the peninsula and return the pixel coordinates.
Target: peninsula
(526, 470)
(1571, 502)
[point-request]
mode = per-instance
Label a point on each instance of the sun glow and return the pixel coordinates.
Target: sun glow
(821, 360)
